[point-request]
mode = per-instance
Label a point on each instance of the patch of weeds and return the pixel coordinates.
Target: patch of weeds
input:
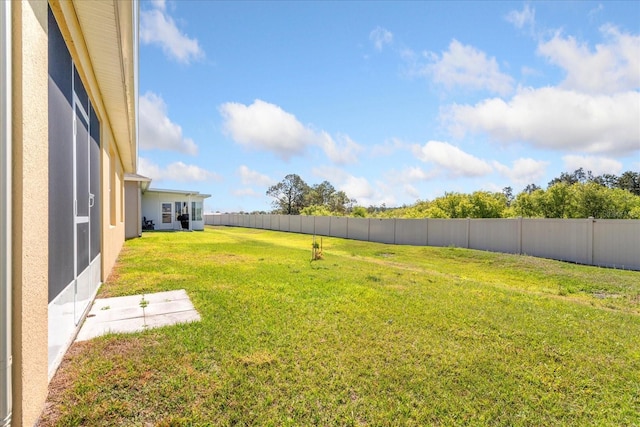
(144, 303)
(375, 279)
(106, 307)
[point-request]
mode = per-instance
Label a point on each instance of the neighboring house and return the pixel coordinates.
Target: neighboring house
(68, 129)
(173, 209)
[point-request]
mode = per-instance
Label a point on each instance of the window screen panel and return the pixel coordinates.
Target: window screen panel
(94, 165)
(61, 219)
(82, 165)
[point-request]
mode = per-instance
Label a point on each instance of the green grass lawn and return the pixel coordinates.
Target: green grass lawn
(371, 335)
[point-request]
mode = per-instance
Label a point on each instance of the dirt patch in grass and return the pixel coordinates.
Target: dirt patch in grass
(259, 358)
(59, 386)
(227, 258)
(62, 392)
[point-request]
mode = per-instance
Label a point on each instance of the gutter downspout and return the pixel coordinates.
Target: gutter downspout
(5, 215)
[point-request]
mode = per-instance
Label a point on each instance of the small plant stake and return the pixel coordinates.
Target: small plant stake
(316, 249)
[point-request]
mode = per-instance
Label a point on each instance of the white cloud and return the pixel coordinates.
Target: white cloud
(344, 151)
(380, 37)
(330, 173)
(528, 71)
(266, 126)
(357, 187)
(411, 174)
(596, 11)
(411, 191)
(389, 147)
(246, 192)
(614, 66)
(468, 67)
(149, 169)
(521, 19)
(455, 161)
(177, 171)
(159, 4)
(157, 131)
(597, 165)
(417, 174)
(251, 177)
(158, 27)
(555, 119)
(524, 170)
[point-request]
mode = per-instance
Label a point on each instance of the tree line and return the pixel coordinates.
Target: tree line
(293, 196)
(576, 194)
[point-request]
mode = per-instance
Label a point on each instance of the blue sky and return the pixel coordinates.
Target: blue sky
(389, 101)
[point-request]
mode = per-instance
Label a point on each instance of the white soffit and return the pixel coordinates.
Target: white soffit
(107, 27)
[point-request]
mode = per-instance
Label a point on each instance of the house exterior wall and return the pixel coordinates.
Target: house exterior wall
(31, 325)
(112, 181)
(30, 208)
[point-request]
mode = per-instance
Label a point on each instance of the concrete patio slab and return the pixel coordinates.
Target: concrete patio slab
(137, 312)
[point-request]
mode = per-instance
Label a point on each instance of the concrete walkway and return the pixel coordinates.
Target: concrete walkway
(137, 312)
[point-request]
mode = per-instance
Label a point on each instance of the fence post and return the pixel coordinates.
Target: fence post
(468, 231)
(395, 230)
(590, 224)
(368, 229)
(426, 226)
(428, 234)
(519, 235)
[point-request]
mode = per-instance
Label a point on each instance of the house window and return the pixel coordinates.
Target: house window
(196, 209)
(178, 210)
(166, 213)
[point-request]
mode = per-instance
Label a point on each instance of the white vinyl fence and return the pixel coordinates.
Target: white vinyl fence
(601, 242)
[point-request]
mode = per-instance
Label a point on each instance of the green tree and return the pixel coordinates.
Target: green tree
(530, 188)
(359, 212)
(528, 204)
(558, 201)
(579, 175)
(320, 194)
(629, 181)
(624, 204)
(508, 193)
(487, 205)
(591, 200)
(315, 210)
(339, 202)
(289, 194)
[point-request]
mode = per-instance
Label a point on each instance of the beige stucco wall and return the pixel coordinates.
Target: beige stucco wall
(30, 176)
(112, 235)
(30, 210)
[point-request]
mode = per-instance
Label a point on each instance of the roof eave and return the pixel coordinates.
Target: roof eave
(102, 36)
